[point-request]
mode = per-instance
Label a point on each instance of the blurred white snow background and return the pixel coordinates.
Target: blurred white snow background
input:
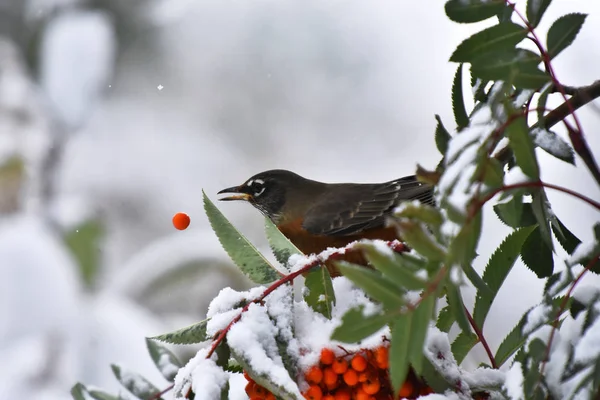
(115, 115)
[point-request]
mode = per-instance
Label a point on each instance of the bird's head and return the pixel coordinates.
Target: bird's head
(269, 191)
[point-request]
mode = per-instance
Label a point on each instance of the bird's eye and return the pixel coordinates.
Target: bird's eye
(257, 186)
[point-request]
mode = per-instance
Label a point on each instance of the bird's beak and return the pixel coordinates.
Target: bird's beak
(239, 195)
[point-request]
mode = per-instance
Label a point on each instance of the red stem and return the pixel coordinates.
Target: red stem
(481, 338)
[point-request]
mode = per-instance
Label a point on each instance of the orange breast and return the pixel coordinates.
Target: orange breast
(314, 244)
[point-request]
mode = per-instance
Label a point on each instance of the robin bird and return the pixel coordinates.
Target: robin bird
(315, 215)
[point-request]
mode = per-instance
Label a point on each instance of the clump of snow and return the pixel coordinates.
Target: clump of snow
(437, 350)
(583, 251)
(227, 305)
(515, 176)
(537, 316)
(382, 247)
(514, 382)
(588, 348)
(166, 367)
(522, 98)
(203, 376)
(135, 381)
(586, 294)
(552, 143)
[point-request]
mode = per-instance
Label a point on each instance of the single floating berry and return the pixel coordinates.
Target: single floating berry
(181, 221)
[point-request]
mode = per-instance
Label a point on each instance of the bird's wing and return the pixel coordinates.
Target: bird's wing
(347, 211)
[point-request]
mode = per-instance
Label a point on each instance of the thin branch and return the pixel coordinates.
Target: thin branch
(580, 97)
(164, 391)
(481, 339)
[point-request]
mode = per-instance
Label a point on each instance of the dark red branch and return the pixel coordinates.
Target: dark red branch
(481, 339)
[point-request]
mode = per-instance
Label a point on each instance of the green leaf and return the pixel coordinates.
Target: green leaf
(492, 172)
(467, 11)
(543, 215)
(420, 324)
(420, 240)
(164, 359)
(537, 256)
(554, 145)
(541, 105)
(433, 377)
(457, 307)
(503, 36)
(515, 213)
(535, 10)
(497, 269)
(429, 215)
(280, 245)
(517, 67)
(563, 32)
(101, 395)
(192, 334)
(567, 240)
(399, 350)
(243, 253)
(522, 146)
(374, 284)
(463, 248)
(392, 266)
(461, 346)
(319, 294)
(78, 392)
(84, 243)
(135, 383)
(356, 326)
(475, 279)
(442, 136)
(458, 103)
(445, 319)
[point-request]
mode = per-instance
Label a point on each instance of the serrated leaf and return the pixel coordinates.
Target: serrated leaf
(563, 32)
(543, 215)
(467, 11)
(458, 103)
(135, 383)
(392, 266)
(356, 326)
(497, 269)
(78, 391)
(515, 213)
(522, 146)
(445, 319)
(399, 350)
(280, 245)
(374, 284)
(553, 144)
(442, 136)
(243, 253)
(420, 324)
(195, 333)
(510, 345)
(457, 307)
(535, 10)
(84, 242)
(319, 294)
(565, 237)
(517, 67)
(537, 256)
(503, 36)
(461, 346)
(475, 279)
(164, 359)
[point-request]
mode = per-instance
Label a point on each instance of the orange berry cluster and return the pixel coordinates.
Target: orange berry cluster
(255, 391)
(357, 376)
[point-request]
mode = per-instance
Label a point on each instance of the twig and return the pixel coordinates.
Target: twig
(481, 339)
(164, 391)
(580, 97)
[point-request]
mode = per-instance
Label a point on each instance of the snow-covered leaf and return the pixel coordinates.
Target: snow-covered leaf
(164, 359)
(466, 11)
(458, 103)
(243, 253)
(496, 271)
(536, 254)
(418, 238)
(393, 267)
(356, 326)
(135, 383)
(319, 293)
(498, 37)
(553, 144)
(374, 284)
(195, 333)
(563, 31)
(535, 10)
(463, 343)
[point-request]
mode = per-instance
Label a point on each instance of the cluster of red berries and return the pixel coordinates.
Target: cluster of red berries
(363, 375)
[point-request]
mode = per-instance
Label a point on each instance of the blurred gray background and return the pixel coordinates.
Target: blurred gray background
(114, 115)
